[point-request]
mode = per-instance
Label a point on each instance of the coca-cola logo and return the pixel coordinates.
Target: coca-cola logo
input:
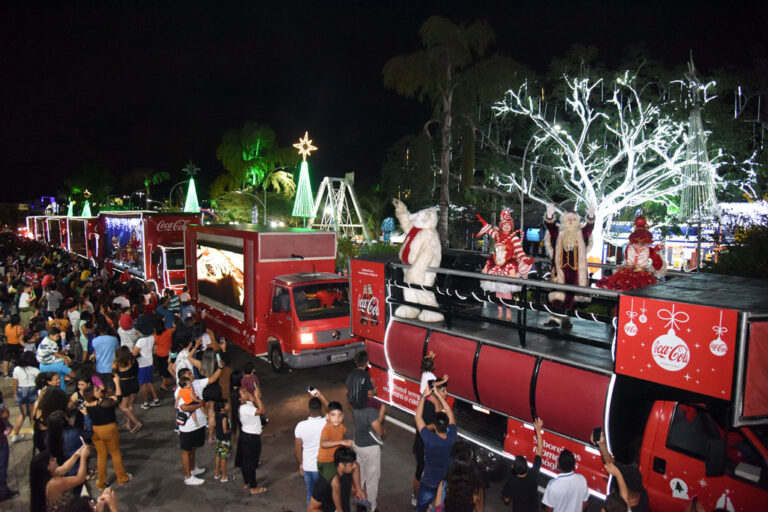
(670, 352)
(718, 347)
(369, 306)
(178, 225)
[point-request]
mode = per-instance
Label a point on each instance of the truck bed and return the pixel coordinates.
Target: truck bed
(546, 342)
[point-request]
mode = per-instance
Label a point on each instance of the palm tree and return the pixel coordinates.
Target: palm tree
(447, 72)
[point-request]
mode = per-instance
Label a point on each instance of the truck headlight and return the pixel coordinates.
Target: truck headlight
(307, 338)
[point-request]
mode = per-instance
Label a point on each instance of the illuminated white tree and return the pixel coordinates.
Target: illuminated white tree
(612, 149)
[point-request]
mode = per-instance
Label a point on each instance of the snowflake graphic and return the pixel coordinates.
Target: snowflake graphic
(703, 483)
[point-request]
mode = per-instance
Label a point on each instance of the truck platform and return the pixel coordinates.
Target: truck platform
(547, 344)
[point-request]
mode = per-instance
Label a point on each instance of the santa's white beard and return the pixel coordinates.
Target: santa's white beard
(570, 237)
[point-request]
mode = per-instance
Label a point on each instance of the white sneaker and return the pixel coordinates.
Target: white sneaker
(197, 471)
(414, 501)
(14, 439)
(193, 480)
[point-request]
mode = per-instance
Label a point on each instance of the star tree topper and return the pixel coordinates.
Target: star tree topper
(305, 146)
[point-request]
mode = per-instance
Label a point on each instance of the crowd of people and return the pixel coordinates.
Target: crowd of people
(82, 342)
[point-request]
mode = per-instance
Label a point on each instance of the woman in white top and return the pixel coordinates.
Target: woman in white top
(24, 388)
(249, 442)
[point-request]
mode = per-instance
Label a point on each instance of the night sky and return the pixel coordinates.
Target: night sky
(154, 84)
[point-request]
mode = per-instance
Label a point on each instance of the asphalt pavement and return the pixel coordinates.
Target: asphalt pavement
(153, 456)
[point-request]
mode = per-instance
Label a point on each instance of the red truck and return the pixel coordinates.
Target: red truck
(273, 292)
(82, 236)
(148, 245)
(677, 380)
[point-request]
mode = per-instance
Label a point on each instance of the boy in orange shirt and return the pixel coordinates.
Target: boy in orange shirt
(331, 438)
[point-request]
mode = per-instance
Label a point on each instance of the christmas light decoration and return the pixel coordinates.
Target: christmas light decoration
(305, 146)
(642, 161)
(191, 205)
(304, 204)
(87, 209)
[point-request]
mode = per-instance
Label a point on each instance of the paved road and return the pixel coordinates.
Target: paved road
(153, 456)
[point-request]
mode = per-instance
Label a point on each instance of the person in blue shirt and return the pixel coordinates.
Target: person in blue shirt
(438, 441)
(104, 346)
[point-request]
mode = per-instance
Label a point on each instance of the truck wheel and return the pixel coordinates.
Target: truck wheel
(491, 464)
(276, 358)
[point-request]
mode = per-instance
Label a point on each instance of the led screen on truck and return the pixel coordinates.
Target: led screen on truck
(220, 278)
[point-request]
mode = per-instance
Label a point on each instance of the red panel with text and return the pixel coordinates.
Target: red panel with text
(675, 344)
(367, 293)
(521, 440)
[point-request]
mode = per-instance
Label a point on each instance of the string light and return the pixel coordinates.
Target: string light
(305, 146)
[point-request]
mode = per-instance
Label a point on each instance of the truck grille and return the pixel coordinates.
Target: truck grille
(333, 335)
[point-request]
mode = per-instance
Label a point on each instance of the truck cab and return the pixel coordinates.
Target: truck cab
(169, 267)
(309, 320)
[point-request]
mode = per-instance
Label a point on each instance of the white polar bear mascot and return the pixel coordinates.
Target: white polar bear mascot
(420, 249)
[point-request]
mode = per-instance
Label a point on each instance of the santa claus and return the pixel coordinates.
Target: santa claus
(643, 262)
(508, 258)
(568, 244)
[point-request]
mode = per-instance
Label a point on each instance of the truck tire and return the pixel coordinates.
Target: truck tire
(276, 358)
(492, 466)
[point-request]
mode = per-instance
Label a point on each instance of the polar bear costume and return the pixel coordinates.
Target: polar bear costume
(421, 249)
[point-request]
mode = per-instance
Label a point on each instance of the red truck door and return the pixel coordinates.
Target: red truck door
(687, 441)
(279, 324)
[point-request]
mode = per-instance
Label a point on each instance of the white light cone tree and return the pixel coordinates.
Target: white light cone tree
(615, 153)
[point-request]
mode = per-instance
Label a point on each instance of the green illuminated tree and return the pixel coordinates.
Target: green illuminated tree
(251, 153)
(452, 75)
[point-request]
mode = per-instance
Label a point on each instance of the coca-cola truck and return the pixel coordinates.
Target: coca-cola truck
(56, 231)
(273, 292)
(147, 245)
(677, 380)
(82, 236)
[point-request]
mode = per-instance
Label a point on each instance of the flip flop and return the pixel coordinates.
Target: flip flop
(258, 490)
(137, 428)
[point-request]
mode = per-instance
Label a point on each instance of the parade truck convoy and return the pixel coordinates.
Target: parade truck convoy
(147, 245)
(677, 381)
(273, 292)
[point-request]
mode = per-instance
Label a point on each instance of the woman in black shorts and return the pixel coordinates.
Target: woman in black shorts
(127, 370)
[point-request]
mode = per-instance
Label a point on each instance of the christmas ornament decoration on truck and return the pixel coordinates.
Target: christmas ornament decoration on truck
(676, 380)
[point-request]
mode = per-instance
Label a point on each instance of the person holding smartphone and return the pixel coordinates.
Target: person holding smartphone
(307, 439)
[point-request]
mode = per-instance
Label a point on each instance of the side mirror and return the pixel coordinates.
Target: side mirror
(715, 457)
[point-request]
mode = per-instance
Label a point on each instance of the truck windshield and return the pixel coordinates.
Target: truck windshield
(174, 259)
(317, 301)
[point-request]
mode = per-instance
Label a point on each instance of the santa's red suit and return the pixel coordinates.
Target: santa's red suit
(642, 262)
(508, 258)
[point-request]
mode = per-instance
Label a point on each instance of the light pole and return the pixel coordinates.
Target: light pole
(170, 195)
(254, 210)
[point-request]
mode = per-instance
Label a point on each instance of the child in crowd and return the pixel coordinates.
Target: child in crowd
(223, 442)
(187, 395)
(331, 438)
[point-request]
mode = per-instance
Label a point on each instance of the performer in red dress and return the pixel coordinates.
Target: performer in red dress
(642, 261)
(508, 258)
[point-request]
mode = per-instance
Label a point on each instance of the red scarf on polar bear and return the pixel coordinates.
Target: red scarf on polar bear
(407, 243)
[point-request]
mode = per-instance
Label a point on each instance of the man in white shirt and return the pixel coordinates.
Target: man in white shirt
(143, 352)
(192, 433)
(122, 301)
(307, 443)
(53, 300)
(568, 491)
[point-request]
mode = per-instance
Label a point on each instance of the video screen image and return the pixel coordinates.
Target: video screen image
(220, 276)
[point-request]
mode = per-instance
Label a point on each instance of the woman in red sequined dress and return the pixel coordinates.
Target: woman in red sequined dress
(508, 259)
(643, 262)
